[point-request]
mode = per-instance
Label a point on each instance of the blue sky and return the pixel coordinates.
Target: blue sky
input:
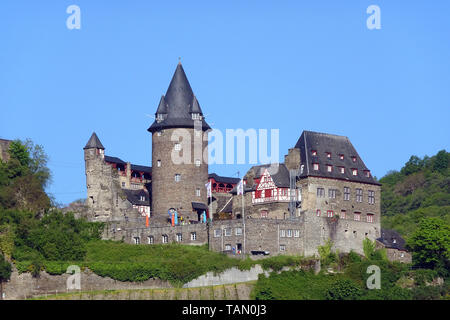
(288, 65)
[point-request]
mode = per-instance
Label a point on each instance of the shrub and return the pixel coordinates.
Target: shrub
(343, 289)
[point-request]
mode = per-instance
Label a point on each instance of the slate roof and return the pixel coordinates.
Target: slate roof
(280, 177)
(134, 167)
(387, 238)
(222, 179)
(178, 104)
(94, 143)
(114, 160)
(336, 145)
(134, 196)
(199, 206)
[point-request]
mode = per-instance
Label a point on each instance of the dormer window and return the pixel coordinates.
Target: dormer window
(316, 166)
(142, 198)
(159, 117)
(367, 173)
(328, 155)
(342, 170)
(314, 152)
(329, 168)
(341, 156)
(354, 159)
(355, 172)
(196, 116)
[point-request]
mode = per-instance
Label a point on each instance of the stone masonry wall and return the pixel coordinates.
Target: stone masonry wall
(260, 235)
(346, 233)
(166, 192)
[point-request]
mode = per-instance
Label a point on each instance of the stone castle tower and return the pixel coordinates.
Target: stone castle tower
(105, 198)
(179, 140)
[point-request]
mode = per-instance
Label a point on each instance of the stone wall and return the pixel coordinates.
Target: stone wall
(23, 286)
(186, 231)
(346, 233)
(260, 235)
(106, 200)
(166, 192)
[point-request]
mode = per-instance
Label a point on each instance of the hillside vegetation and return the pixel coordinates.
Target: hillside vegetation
(421, 189)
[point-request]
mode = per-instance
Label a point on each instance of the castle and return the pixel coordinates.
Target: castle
(322, 191)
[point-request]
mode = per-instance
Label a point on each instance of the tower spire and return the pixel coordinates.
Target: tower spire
(94, 143)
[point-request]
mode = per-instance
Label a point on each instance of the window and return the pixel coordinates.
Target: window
(158, 163)
(177, 147)
(179, 237)
(123, 184)
(238, 231)
(158, 133)
(357, 216)
(354, 159)
(329, 168)
(394, 240)
(343, 214)
(296, 233)
(264, 213)
(159, 117)
(316, 166)
(282, 247)
(402, 255)
(197, 192)
(328, 155)
(142, 198)
(318, 212)
(341, 156)
(177, 177)
(137, 240)
(330, 213)
(355, 172)
(369, 217)
(196, 116)
(227, 232)
(346, 193)
(165, 238)
(342, 170)
(367, 173)
(355, 234)
(193, 236)
(359, 195)
(282, 233)
(371, 196)
(217, 233)
(228, 247)
(197, 163)
(289, 233)
(314, 152)
(332, 193)
(320, 192)
(150, 240)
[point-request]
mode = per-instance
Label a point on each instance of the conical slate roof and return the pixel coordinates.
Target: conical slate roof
(195, 106)
(179, 102)
(94, 143)
(162, 107)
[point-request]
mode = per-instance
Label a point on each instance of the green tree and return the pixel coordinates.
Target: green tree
(430, 243)
(5, 273)
(413, 165)
(368, 248)
(441, 161)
